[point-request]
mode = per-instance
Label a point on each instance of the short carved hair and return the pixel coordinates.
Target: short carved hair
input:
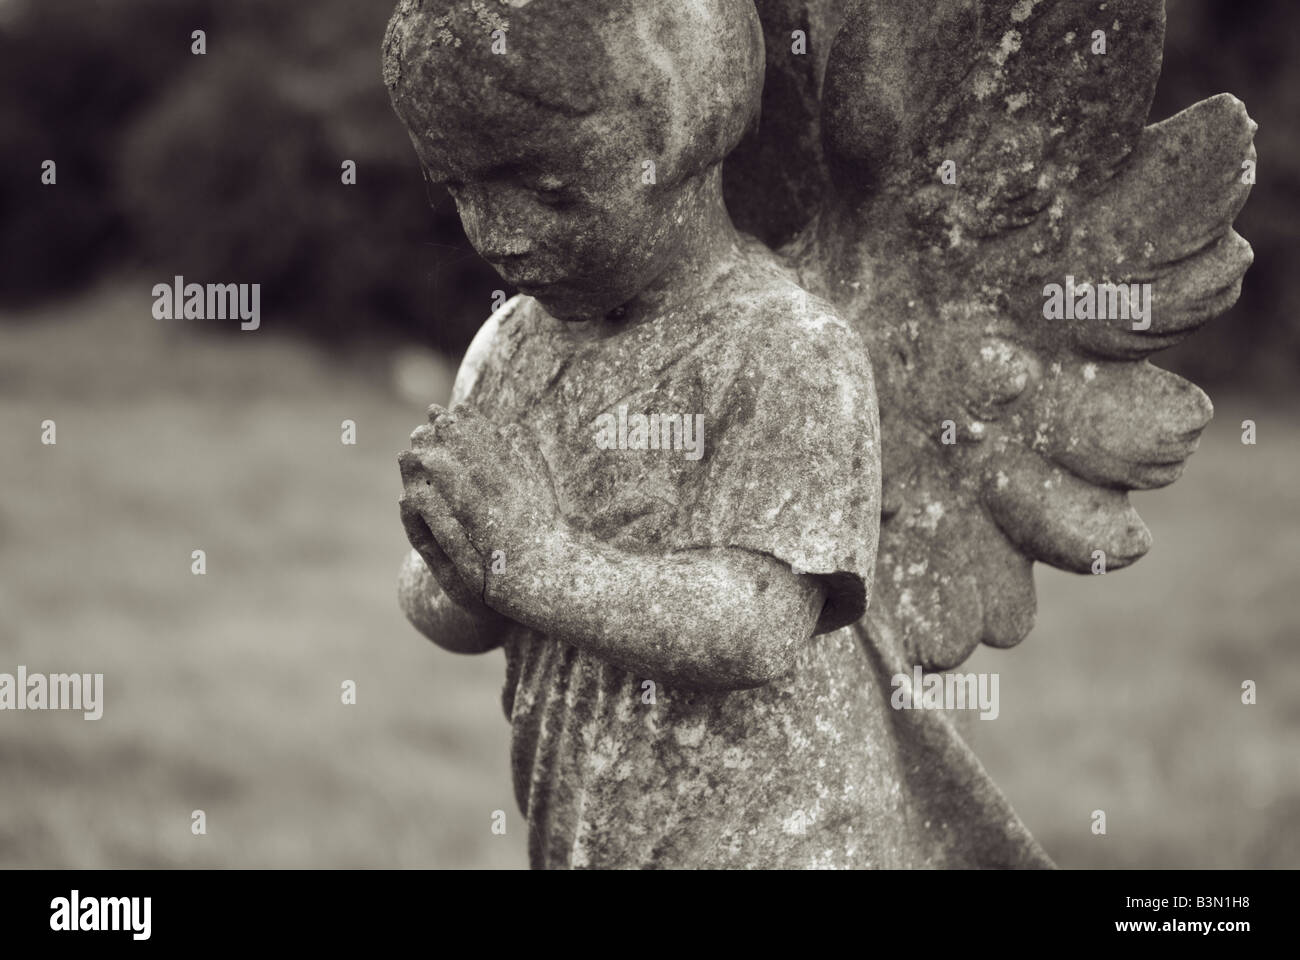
(688, 73)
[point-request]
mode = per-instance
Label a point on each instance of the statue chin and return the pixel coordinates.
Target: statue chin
(567, 308)
(562, 300)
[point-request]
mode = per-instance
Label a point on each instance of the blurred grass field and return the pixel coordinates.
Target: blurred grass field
(222, 692)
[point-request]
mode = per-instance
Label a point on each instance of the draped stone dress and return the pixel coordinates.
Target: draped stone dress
(811, 770)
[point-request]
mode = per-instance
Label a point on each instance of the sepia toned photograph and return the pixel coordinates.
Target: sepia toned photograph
(685, 435)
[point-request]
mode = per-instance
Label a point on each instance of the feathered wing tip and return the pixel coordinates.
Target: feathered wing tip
(1013, 242)
(1166, 220)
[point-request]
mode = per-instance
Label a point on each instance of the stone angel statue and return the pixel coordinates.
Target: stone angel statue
(970, 243)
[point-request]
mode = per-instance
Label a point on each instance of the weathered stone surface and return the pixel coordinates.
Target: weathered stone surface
(1054, 177)
(690, 678)
(582, 99)
(663, 685)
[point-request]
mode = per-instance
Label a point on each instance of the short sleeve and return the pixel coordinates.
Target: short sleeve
(793, 467)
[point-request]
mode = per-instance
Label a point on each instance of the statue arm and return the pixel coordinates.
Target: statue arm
(716, 618)
(448, 623)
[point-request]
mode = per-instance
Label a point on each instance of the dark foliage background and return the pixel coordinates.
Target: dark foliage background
(227, 166)
(1251, 49)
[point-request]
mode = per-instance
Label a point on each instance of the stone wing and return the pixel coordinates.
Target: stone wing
(1013, 241)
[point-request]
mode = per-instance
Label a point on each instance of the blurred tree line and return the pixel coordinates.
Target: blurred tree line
(227, 167)
(1252, 50)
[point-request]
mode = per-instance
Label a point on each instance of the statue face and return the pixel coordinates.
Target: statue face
(572, 142)
(569, 221)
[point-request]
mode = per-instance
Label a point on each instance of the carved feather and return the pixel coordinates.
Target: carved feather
(982, 154)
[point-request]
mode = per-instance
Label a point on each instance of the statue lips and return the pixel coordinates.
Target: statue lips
(515, 270)
(542, 286)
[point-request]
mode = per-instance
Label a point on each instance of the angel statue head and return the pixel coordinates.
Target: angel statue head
(580, 139)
